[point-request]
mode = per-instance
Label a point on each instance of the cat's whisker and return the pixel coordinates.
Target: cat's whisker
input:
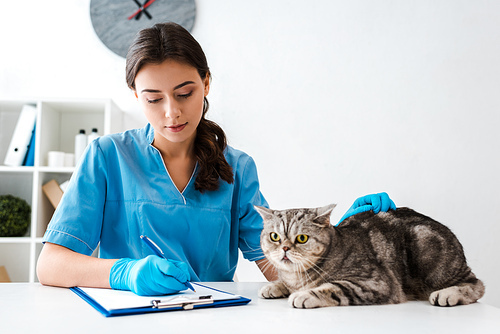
(316, 268)
(307, 278)
(300, 273)
(313, 267)
(267, 266)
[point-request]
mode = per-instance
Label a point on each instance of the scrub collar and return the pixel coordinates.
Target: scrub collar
(150, 133)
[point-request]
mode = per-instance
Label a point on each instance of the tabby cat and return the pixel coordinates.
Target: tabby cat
(384, 258)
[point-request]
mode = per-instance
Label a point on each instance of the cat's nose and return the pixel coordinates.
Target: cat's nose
(286, 248)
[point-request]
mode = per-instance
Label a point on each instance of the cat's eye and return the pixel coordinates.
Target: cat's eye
(302, 238)
(275, 237)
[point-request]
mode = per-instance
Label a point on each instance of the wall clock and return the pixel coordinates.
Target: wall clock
(116, 22)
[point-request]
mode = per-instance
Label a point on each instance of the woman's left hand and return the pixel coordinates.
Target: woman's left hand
(376, 202)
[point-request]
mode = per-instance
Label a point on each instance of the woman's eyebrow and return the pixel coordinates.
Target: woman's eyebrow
(150, 91)
(183, 84)
(147, 90)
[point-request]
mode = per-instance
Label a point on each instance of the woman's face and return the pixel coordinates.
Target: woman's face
(171, 95)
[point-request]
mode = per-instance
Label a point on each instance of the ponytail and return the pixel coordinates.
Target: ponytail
(209, 147)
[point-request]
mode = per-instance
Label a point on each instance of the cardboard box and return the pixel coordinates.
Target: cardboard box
(53, 192)
(4, 277)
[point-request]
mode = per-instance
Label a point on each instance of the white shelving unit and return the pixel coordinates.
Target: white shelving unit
(58, 121)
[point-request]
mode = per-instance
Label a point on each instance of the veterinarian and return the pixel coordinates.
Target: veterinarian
(175, 181)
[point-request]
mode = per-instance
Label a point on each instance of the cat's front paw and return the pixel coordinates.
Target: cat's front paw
(309, 299)
(274, 290)
(304, 299)
(451, 296)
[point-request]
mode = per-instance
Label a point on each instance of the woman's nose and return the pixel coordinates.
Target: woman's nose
(172, 110)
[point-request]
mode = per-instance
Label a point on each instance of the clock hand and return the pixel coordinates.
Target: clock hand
(146, 5)
(140, 6)
(143, 11)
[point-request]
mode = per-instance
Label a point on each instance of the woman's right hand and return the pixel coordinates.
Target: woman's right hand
(149, 276)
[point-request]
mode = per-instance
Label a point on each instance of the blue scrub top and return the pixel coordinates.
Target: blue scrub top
(121, 190)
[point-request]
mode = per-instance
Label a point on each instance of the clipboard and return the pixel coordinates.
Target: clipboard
(112, 303)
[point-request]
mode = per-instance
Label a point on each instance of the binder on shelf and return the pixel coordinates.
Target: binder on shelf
(116, 302)
(21, 138)
(29, 160)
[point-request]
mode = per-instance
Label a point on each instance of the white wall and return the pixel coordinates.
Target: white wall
(333, 99)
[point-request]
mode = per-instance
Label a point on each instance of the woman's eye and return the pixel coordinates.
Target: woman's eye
(153, 101)
(275, 236)
(302, 238)
(185, 96)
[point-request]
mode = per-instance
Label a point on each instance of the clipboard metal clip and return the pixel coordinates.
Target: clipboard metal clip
(186, 303)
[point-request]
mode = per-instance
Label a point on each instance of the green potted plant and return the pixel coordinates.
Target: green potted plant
(15, 216)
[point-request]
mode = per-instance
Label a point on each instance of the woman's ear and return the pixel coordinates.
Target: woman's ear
(135, 93)
(207, 84)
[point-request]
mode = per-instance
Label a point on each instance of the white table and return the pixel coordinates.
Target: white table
(33, 308)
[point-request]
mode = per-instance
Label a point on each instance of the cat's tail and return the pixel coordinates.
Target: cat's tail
(464, 293)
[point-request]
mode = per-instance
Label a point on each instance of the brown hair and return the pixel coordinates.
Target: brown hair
(166, 41)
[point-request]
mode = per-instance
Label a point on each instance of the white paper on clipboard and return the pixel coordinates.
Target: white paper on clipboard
(118, 299)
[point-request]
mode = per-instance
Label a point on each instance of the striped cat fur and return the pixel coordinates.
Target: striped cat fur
(369, 259)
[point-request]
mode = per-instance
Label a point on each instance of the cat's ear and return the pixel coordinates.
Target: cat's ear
(323, 215)
(264, 212)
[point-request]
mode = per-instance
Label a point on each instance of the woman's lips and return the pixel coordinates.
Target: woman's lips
(177, 128)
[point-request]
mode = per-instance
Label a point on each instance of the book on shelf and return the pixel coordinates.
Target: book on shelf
(4, 277)
(23, 133)
(53, 192)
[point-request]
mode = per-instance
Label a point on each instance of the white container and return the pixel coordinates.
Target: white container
(93, 135)
(69, 160)
(80, 145)
(56, 159)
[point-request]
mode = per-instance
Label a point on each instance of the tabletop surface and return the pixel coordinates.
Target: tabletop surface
(33, 308)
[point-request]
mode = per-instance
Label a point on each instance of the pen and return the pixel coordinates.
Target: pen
(157, 250)
(186, 303)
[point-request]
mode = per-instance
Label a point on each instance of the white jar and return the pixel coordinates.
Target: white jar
(93, 135)
(80, 145)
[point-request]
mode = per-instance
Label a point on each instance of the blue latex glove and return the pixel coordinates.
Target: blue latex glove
(376, 202)
(149, 276)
